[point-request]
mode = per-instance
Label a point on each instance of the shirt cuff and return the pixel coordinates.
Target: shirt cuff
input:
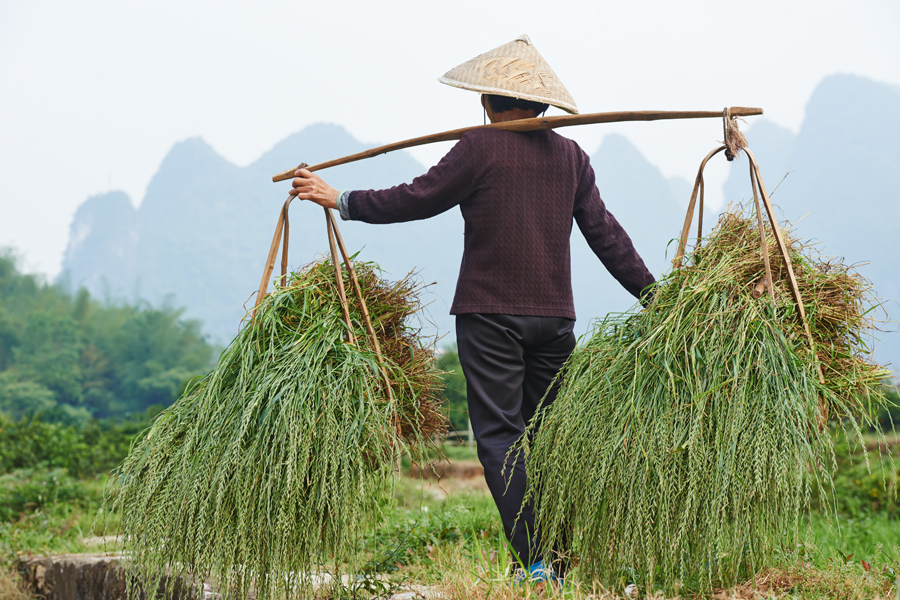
(343, 204)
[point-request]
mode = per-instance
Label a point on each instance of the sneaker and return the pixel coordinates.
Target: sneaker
(537, 573)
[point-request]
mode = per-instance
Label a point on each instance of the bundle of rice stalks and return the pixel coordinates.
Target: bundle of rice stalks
(697, 426)
(272, 468)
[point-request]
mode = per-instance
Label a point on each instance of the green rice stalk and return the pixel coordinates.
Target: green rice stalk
(681, 451)
(274, 466)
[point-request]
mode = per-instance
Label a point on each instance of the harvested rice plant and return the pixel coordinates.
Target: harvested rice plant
(702, 423)
(265, 476)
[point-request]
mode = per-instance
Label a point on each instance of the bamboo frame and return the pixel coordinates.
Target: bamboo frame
(338, 274)
(779, 239)
(757, 184)
(536, 124)
(335, 242)
(364, 307)
(764, 244)
(280, 228)
(689, 216)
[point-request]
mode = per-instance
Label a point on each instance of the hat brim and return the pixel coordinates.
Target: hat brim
(483, 89)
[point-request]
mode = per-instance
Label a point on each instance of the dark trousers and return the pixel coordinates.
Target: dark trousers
(509, 363)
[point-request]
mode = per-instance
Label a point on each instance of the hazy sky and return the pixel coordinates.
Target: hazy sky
(93, 94)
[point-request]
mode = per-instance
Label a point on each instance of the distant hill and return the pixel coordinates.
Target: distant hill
(200, 236)
(202, 231)
(844, 182)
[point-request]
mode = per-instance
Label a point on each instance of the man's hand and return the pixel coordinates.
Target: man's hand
(308, 186)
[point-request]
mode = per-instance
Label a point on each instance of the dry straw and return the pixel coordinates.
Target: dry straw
(700, 425)
(265, 476)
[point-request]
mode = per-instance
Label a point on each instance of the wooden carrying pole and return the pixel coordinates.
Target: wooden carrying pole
(535, 124)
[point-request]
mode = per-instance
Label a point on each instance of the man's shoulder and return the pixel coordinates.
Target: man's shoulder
(492, 134)
(544, 146)
(568, 143)
(482, 133)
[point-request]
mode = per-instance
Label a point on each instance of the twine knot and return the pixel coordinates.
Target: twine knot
(734, 139)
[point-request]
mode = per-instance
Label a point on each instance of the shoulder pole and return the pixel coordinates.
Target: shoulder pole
(535, 124)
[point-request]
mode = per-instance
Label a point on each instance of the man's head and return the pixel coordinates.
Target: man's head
(499, 104)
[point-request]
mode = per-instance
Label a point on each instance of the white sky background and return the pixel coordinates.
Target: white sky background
(93, 94)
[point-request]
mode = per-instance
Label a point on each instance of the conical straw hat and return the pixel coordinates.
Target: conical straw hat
(515, 69)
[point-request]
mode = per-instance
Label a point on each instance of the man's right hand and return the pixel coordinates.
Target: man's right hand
(309, 186)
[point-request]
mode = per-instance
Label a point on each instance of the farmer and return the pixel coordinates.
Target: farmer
(518, 194)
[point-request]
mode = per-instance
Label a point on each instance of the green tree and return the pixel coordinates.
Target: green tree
(71, 358)
(152, 351)
(20, 399)
(49, 352)
(454, 388)
(82, 450)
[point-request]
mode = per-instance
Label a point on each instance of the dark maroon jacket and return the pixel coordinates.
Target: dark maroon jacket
(518, 193)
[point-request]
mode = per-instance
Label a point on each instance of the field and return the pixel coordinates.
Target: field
(73, 362)
(443, 535)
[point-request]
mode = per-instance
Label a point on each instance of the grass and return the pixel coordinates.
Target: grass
(12, 587)
(870, 538)
(43, 520)
(453, 544)
(45, 512)
(433, 535)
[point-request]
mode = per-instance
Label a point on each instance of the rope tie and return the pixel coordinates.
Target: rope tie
(734, 139)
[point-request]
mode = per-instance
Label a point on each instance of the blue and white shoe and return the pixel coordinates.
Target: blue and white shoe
(536, 573)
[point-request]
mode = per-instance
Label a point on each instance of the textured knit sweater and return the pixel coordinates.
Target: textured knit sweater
(518, 194)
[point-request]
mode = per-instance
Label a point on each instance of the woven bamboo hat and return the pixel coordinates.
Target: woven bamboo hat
(515, 69)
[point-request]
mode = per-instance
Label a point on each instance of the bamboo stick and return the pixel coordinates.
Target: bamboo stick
(755, 185)
(284, 247)
(689, 216)
(340, 278)
(273, 253)
(535, 124)
(792, 279)
(782, 247)
(362, 302)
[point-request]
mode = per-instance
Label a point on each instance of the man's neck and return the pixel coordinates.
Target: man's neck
(512, 115)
